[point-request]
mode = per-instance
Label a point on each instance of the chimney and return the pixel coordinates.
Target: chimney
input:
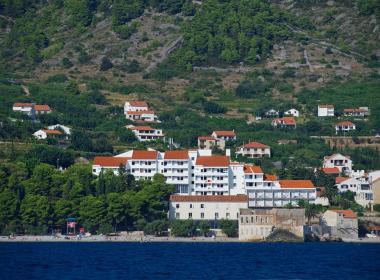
(228, 152)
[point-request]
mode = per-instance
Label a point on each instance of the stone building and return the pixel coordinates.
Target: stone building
(257, 224)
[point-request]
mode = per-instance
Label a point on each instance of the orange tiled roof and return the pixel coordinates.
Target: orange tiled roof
(270, 177)
(138, 103)
(326, 106)
(206, 138)
(226, 133)
(22, 105)
(213, 161)
(345, 123)
(209, 198)
(252, 169)
(142, 128)
(110, 161)
(255, 145)
(181, 155)
(331, 170)
(150, 155)
(339, 180)
(140, 112)
(296, 184)
(347, 213)
(42, 108)
(286, 120)
(52, 131)
(355, 110)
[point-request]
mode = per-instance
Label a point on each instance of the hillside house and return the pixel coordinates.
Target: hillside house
(360, 186)
(226, 135)
(65, 129)
(292, 112)
(343, 163)
(325, 110)
(145, 116)
(31, 108)
(272, 113)
(360, 112)
(285, 122)
(146, 133)
(345, 126)
(45, 133)
(209, 142)
(135, 106)
(254, 150)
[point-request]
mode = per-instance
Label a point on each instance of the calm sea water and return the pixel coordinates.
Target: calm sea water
(189, 261)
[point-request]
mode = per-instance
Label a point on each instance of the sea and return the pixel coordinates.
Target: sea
(103, 260)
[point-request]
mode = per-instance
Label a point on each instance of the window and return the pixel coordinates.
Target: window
(216, 215)
(241, 220)
(202, 206)
(227, 215)
(190, 215)
(191, 205)
(202, 215)
(177, 215)
(177, 206)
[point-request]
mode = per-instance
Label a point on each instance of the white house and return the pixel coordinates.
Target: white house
(65, 129)
(210, 142)
(146, 133)
(31, 108)
(325, 110)
(285, 122)
(145, 116)
(292, 112)
(207, 207)
(360, 112)
(135, 106)
(345, 126)
(343, 163)
(226, 135)
(254, 150)
(272, 113)
(45, 133)
(361, 187)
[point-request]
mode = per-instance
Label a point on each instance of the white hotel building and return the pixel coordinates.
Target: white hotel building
(199, 173)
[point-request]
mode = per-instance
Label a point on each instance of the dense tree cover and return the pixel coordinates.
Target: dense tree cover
(231, 32)
(42, 200)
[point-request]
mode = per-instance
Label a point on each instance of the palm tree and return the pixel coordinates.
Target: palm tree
(311, 210)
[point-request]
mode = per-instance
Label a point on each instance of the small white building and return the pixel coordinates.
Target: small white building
(135, 106)
(292, 112)
(145, 116)
(254, 150)
(345, 126)
(226, 135)
(45, 133)
(343, 163)
(272, 113)
(31, 108)
(65, 129)
(325, 110)
(209, 208)
(146, 133)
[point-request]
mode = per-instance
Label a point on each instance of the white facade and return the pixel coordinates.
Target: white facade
(325, 111)
(344, 127)
(135, 106)
(25, 108)
(210, 208)
(356, 112)
(254, 150)
(292, 112)
(146, 116)
(272, 113)
(40, 134)
(224, 135)
(343, 163)
(146, 133)
(361, 187)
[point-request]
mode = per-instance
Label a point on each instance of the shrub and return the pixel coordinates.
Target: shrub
(229, 227)
(183, 228)
(66, 63)
(213, 108)
(105, 64)
(376, 207)
(105, 229)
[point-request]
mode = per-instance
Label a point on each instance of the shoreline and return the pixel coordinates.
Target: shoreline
(153, 239)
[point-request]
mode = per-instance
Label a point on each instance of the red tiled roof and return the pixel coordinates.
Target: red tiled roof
(142, 128)
(255, 145)
(213, 161)
(347, 213)
(138, 103)
(226, 133)
(355, 110)
(150, 155)
(110, 161)
(22, 105)
(286, 120)
(140, 112)
(339, 180)
(206, 138)
(345, 123)
(296, 184)
(326, 106)
(331, 170)
(209, 198)
(52, 131)
(181, 155)
(270, 177)
(42, 108)
(252, 169)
